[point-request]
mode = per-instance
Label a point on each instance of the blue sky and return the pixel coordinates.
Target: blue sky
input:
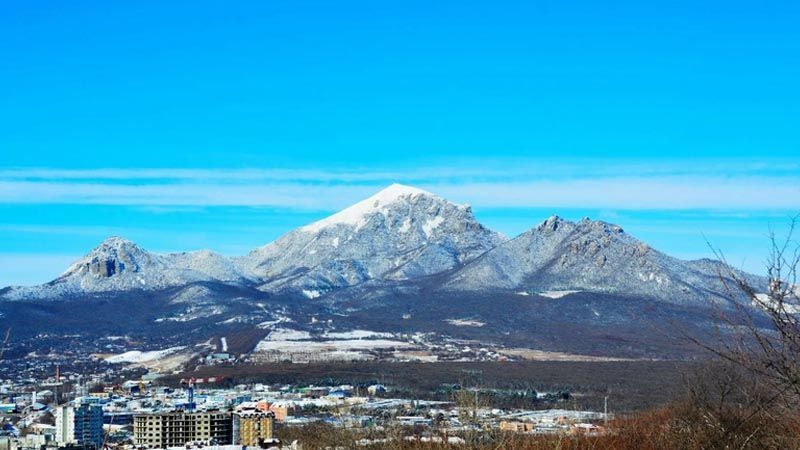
(186, 125)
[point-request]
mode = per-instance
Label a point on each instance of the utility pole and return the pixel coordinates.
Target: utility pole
(55, 385)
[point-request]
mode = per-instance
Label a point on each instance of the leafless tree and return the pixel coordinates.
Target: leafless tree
(764, 325)
(759, 331)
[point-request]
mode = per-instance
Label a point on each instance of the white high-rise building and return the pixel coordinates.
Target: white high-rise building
(80, 424)
(65, 425)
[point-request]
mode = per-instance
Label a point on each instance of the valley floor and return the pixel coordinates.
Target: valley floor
(629, 385)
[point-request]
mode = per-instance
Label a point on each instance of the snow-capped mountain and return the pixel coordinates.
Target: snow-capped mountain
(400, 233)
(405, 238)
(118, 264)
(403, 260)
(594, 256)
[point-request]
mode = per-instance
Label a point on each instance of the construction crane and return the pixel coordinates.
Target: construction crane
(189, 384)
(5, 342)
(107, 434)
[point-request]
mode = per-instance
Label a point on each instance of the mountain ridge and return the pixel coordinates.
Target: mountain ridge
(561, 255)
(403, 234)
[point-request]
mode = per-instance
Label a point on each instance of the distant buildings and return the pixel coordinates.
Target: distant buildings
(176, 429)
(80, 425)
(517, 427)
(243, 416)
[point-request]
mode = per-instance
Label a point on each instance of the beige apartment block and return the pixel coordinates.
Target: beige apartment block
(252, 428)
(176, 429)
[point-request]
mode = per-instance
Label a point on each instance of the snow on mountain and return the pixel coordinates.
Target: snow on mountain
(358, 214)
(118, 264)
(213, 265)
(397, 234)
(593, 256)
(402, 234)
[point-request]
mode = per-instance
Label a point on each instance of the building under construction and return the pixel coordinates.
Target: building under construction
(176, 429)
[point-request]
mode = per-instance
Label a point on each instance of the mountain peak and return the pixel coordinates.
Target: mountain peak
(112, 256)
(357, 213)
(552, 223)
(116, 242)
(396, 190)
(399, 233)
(585, 225)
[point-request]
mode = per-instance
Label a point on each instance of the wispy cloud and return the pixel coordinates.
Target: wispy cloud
(467, 169)
(752, 187)
(667, 192)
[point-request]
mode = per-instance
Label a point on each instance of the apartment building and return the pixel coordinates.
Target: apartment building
(252, 428)
(177, 428)
(81, 425)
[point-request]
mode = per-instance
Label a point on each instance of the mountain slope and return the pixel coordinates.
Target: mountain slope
(119, 265)
(594, 256)
(399, 233)
(403, 261)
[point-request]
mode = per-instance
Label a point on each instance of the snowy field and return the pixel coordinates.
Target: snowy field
(136, 356)
(464, 322)
(354, 345)
(355, 334)
(327, 346)
(557, 294)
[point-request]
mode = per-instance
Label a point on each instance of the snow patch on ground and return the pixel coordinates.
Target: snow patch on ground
(325, 346)
(234, 319)
(355, 334)
(137, 356)
(311, 293)
(557, 294)
(287, 334)
(465, 322)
